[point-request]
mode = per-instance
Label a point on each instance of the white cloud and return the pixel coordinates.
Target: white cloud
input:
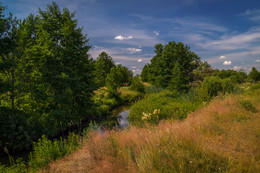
(156, 32)
(120, 37)
(258, 60)
(134, 50)
(222, 57)
(137, 71)
(227, 63)
(237, 68)
(253, 14)
(140, 60)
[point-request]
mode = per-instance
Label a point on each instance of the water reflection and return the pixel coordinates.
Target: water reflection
(122, 119)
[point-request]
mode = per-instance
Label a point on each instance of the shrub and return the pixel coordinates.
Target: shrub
(137, 85)
(210, 87)
(227, 86)
(45, 150)
(247, 105)
(153, 89)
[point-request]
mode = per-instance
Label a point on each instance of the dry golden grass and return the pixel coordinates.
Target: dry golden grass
(222, 137)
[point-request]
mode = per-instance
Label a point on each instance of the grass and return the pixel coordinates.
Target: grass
(222, 137)
(163, 105)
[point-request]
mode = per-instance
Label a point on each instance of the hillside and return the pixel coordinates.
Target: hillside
(223, 136)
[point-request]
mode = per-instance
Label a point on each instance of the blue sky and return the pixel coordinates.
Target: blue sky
(225, 33)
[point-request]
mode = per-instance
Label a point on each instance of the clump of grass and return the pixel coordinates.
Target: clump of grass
(247, 105)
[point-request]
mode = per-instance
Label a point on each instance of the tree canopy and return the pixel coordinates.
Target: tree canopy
(160, 71)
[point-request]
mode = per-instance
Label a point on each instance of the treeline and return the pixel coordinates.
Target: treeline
(47, 77)
(175, 67)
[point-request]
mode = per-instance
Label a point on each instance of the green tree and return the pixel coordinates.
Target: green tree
(103, 65)
(56, 68)
(8, 76)
(114, 81)
(160, 70)
(254, 75)
(179, 80)
(202, 71)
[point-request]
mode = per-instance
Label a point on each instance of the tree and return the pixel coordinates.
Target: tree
(254, 75)
(58, 73)
(179, 81)
(8, 72)
(114, 81)
(103, 65)
(160, 71)
(202, 71)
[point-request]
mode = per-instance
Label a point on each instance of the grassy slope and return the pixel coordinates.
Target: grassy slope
(222, 137)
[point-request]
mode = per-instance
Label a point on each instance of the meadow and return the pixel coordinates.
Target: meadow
(220, 137)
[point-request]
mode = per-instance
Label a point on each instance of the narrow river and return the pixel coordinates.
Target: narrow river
(117, 119)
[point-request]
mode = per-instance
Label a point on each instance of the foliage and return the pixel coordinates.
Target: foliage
(129, 96)
(172, 105)
(46, 74)
(103, 65)
(16, 167)
(45, 150)
(137, 85)
(210, 88)
(15, 132)
(160, 71)
(254, 75)
(179, 81)
(247, 105)
(210, 140)
(116, 78)
(202, 71)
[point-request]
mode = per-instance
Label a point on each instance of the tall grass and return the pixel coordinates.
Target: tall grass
(213, 139)
(171, 105)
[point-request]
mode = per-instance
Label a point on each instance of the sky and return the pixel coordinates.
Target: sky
(225, 33)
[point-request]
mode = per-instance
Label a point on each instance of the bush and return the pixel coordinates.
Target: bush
(153, 89)
(227, 86)
(210, 87)
(247, 105)
(45, 150)
(137, 85)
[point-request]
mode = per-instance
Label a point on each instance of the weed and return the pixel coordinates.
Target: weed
(247, 105)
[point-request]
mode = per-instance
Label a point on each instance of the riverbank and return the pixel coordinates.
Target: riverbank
(108, 118)
(221, 137)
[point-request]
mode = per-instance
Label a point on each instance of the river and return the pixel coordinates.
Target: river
(117, 119)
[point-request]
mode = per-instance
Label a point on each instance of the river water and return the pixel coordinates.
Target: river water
(117, 119)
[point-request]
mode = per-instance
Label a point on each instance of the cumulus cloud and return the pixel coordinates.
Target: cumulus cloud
(120, 37)
(222, 57)
(140, 60)
(227, 63)
(156, 33)
(258, 60)
(134, 50)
